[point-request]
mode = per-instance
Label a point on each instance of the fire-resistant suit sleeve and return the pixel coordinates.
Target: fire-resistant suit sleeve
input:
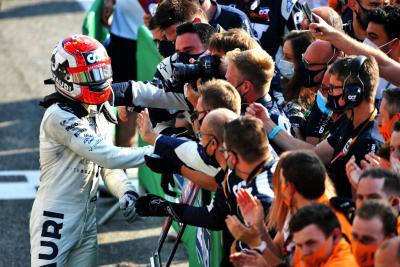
(75, 134)
(140, 94)
(116, 180)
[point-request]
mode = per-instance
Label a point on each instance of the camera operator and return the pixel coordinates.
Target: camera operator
(164, 93)
(75, 148)
(247, 155)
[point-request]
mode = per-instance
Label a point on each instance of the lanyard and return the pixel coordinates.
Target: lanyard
(352, 140)
(388, 84)
(257, 170)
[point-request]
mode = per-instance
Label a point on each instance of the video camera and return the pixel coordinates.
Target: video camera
(205, 68)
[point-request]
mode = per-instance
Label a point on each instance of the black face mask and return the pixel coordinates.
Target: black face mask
(210, 158)
(184, 57)
(307, 76)
(333, 103)
(166, 48)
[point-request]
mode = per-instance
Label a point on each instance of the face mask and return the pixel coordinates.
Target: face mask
(333, 103)
(369, 43)
(372, 44)
(307, 76)
(386, 129)
(321, 103)
(364, 254)
(166, 48)
(395, 164)
(318, 256)
(184, 57)
(385, 44)
(286, 68)
(210, 159)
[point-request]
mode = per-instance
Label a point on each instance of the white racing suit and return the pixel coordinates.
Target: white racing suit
(74, 152)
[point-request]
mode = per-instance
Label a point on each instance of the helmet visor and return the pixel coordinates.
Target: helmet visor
(93, 76)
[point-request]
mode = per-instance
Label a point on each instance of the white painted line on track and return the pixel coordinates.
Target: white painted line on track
(19, 190)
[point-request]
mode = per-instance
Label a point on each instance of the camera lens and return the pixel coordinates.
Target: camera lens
(186, 72)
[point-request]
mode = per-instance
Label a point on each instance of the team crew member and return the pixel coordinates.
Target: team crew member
(302, 178)
(379, 184)
(352, 90)
(373, 224)
(316, 232)
(269, 20)
(251, 72)
(389, 112)
(178, 153)
(388, 253)
(75, 150)
(251, 165)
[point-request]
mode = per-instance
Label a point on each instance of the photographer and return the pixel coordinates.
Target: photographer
(165, 93)
(247, 155)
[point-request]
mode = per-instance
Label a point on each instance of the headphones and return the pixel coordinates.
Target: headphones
(353, 92)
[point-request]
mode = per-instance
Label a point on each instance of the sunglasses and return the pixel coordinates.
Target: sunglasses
(329, 88)
(308, 64)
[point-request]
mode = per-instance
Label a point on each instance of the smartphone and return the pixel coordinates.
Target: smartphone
(307, 12)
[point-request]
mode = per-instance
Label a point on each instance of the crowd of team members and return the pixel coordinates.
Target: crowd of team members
(301, 145)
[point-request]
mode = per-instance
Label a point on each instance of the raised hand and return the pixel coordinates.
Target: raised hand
(146, 128)
(247, 234)
(259, 111)
(250, 208)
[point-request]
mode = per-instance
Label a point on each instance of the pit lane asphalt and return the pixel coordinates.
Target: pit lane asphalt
(28, 32)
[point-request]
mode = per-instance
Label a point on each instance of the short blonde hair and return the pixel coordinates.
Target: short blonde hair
(232, 39)
(217, 93)
(254, 65)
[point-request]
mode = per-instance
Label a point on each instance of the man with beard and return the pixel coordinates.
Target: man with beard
(357, 27)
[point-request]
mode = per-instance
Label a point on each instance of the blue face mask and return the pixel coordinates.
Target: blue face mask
(321, 103)
(286, 68)
(184, 57)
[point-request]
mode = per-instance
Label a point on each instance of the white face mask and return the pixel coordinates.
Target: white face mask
(286, 68)
(372, 44)
(395, 164)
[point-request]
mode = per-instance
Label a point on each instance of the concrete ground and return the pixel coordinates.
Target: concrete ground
(29, 29)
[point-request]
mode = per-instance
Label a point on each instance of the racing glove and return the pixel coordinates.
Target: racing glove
(167, 168)
(127, 206)
(152, 205)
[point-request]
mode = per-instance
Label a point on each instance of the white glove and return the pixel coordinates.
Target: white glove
(127, 206)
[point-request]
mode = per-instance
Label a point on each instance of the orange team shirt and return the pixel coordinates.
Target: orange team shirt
(341, 256)
(344, 223)
(398, 225)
